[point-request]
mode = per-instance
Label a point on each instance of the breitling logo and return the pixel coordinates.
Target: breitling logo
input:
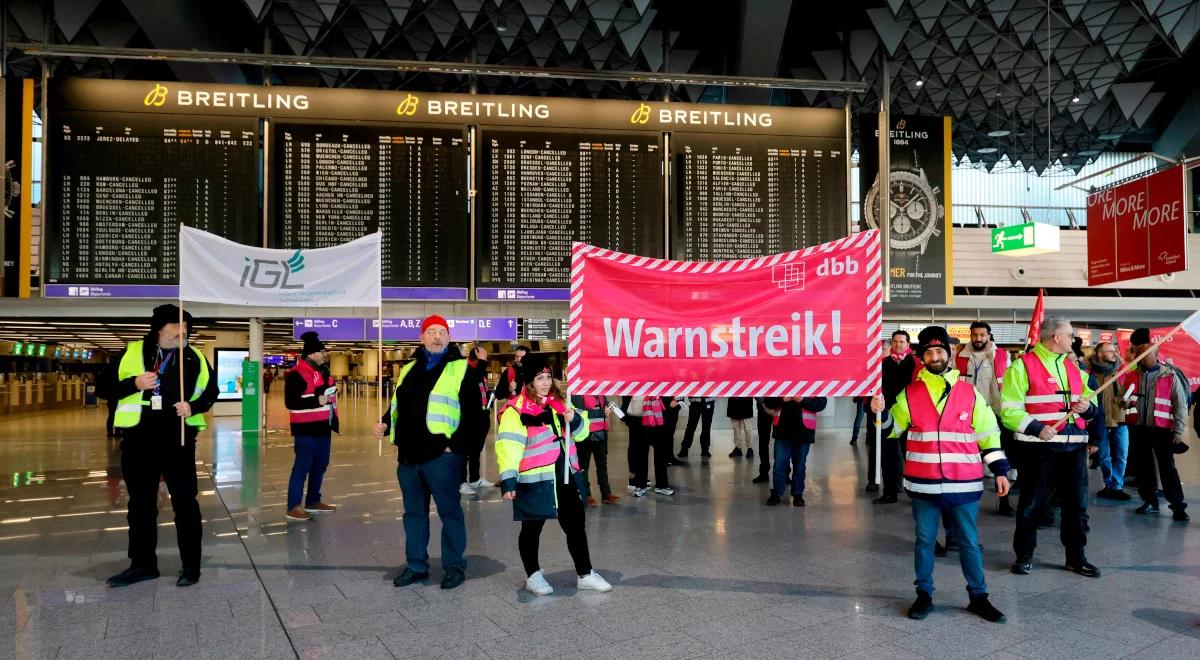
(156, 97)
(641, 115)
(408, 107)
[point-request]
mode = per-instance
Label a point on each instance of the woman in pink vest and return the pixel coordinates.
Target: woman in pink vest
(952, 432)
(795, 431)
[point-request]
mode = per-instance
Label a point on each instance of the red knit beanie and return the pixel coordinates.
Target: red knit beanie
(432, 321)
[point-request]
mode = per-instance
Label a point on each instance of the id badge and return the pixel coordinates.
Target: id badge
(156, 402)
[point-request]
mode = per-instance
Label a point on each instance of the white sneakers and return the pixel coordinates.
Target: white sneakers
(466, 489)
(594, 582)
(537, 585)
(482, 483)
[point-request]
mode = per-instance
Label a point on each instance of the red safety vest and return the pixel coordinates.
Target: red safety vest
(315, 384)
(1163, 410)
(942, 446)
(807, 418)
(999, 364)
(597, 420)
(1045, 402)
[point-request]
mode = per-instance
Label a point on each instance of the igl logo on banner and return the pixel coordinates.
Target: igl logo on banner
(256, 270)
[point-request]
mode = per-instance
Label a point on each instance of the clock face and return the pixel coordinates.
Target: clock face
(914, 210)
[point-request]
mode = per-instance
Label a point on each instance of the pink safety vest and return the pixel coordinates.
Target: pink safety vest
(1163, 410)
(313, 380)
(999, 364)
(807, 418)
(1045, 402)
(942, 445)
(542, 444)
(599, 422)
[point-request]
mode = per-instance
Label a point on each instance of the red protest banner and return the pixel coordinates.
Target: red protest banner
(1137, 229)
(802, 323)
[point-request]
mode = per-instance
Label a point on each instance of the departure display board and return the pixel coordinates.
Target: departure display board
(742, 196)
(335, 183)
(541, 191)
(121, 184)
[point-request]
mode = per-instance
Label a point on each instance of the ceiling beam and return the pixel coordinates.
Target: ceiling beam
(760, 45)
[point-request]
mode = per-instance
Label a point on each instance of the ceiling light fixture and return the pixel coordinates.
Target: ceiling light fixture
(1075, 100)
(920, 83)
(986, 150)
(1000, 132)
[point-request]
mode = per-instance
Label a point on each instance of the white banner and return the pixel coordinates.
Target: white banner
(216, 270)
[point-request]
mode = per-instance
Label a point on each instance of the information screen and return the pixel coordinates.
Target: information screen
(742, 196)
(121, 184)
(335, 183)
(542, 190)
(229, 372)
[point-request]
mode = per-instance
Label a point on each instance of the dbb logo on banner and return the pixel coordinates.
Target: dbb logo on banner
(802, 323)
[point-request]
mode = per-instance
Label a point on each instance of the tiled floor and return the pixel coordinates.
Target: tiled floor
(709, 573)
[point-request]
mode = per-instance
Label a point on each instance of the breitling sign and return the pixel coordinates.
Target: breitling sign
(918, 215)
(462, 109)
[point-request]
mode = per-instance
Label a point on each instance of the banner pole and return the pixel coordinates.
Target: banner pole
(182, 336)
(379, 360)
(879, 449)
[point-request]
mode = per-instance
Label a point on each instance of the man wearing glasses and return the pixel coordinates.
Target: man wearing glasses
(1039, 390)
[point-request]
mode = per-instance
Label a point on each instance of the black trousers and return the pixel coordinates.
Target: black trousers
(470, 473)
(112, 415)
(670, 425)
(1153, 447)
(893, 449)
(641, 440)
(148, 454)
(696, 413)
(765, 426)
(598, 449)
(570, 518)
(1044, 470)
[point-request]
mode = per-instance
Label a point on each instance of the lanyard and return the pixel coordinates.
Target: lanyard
(161, 367)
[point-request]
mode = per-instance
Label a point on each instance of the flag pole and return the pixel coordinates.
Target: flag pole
(182, 340)
(1122, 371)
(379, 360)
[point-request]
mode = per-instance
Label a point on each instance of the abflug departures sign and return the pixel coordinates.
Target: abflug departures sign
(350, 107)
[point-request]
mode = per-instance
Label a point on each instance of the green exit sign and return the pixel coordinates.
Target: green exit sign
(1022, 240)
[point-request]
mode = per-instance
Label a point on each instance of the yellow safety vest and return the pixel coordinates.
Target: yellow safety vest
(129, 409)
(443, 413)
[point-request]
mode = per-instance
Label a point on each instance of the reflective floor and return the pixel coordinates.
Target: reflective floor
(708, 573)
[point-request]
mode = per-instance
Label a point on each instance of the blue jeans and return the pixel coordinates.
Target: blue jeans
(312, 458)
(927, 514)
(860, 413)
(438, 478)
(793, 454)
(1112, 454)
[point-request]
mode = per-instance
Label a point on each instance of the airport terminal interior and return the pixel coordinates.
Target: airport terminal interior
(342, 198)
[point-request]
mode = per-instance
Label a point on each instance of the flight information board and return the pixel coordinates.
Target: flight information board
(540, 191)
(335, 183)
(122, 183)
(742, 196)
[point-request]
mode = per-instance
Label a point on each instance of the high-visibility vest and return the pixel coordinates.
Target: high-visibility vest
(1161, 405)
(444, 412)
(594, 406)
(942, 446)
(999, 364)
(1046, 403)
(133, 364)
(313, 380)
(807, 417)
(528, 453)
(652, 411)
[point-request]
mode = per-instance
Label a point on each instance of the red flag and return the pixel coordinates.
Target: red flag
(1035, 322)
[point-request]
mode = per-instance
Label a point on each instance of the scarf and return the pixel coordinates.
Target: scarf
(433, 359)
(899, 357)
(1104, 368)
(652, 411)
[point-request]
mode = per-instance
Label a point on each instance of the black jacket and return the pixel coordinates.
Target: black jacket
(506, 390)
(294, 399)
(169, 382)
(741, 407)
(414, 443)
(791, 423)
(897, 376)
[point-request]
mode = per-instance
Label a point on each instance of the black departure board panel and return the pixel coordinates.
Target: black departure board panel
(121, 184)
(742, 196)
(335, 183)
(542, 190)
